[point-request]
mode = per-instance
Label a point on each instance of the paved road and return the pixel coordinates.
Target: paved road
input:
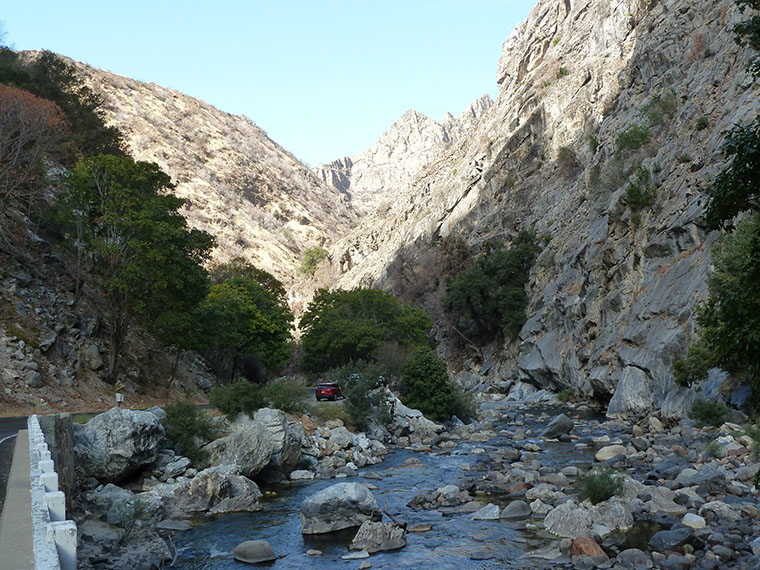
(8, 429)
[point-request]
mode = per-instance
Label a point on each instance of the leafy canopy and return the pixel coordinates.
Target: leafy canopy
(489, 298)
(426, 385)
(312, 257)
(340, 326)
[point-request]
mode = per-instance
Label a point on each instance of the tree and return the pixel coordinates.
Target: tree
(312, 257)
(489, 298)
(137, 241)
(245, 313)
(426, 385)
(748, 31)
(340, 326)
(30, 128)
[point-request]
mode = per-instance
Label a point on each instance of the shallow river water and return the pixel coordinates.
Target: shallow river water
(456, 541)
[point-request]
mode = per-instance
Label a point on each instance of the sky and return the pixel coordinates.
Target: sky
(324, 78)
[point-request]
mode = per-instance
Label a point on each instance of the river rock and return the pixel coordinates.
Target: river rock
(634, 559)
(669, 539)
(608, 452)
(249, 447)
(693, 521)
(557, 427)
(117, 443)
(220, 489)
(488, 513)
(586, 546)
(254, 551)
(720, 510)
(341, 437)
(343, 505)
(516, 510)
(378, 536)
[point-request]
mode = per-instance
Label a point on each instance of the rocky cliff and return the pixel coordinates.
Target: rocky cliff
(381, 173)
(256, 198)
(613, 292)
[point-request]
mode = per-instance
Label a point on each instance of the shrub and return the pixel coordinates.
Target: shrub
(132, 514)
(714, 449)
(286, 395)
(659, 107)
(566, 160)
(600, 484)
(426, 386)
(312, 257)
(188, 428)
(364, 402)
(566, 395)
(702, 123)
(633, 137)
(708, 413)
(562, 72)
(694, 367)
(327, 412)
(242, 396)
(640, 191)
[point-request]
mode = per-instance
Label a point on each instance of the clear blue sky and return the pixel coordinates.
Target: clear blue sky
(323, 78)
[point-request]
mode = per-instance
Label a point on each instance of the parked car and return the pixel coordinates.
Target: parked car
(329, 391)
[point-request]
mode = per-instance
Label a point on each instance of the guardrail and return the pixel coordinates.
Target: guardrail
(55, 538)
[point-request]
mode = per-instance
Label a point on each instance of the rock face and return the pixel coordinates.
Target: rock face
(117, 443)
(380, 173)
(612, 294)
(259, 201)
(340, 506)
(287, 439)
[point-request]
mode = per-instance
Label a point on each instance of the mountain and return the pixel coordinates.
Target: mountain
(383, 172)
(259, 201)
(613, 292)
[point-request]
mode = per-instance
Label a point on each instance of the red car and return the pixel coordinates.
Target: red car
(329, 391)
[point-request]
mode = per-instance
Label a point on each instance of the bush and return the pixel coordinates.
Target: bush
(132, 514)
(567, 162)
(708, 413)
(188, 428)
(562, 72)
(600, 484)
(659, 107)
(286, 395)
(364, 403)
(640, 191)
(633, 137)
(312, 257)
(702, 123)
(566, 395)
(694, 367)
(426, 386)
(242, 396)
(326, 412)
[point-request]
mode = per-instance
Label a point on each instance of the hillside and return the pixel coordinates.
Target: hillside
(613, 292)
(259, 201)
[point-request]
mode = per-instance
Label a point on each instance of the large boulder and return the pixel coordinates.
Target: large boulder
(216, 490)
(254, 552)
(633, 394)
(378, 536)
(287, 439)
(117, 443)
(339, 506)
(249, 447)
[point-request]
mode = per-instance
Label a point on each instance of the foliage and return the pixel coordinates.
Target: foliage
(735, 189)
(566, 395)
(708, 413)
(489, 298)
(326, 412)
(51, 77)
(694, 367)
(242, 396)
(312, 257)
(702, 123)
(567, 161)
(128, 225)
(633, 137)
(30, 129)
(132, 513)
(287, 395)
(426, 386)
(188, 428)
(562, 72)
(245, 313)
(640, 191)
(365, 402)
(659, 107)
(342, 326)
(455, 252)
(600, 484)
(748, 31)
(714, 449)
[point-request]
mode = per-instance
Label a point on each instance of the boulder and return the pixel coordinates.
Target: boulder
(115, 503)
(341, 437)
(216, 490)
(516, 510)
(557, 427)
(117, 443)
(488, 513)
(568, 520)
(693, 521)
(634, 559)
(632, 395)
(608, 452)
(586, 546)
(92, 357)
(287, 438)
(378, 536)
(665, 540)
(339, 506)
(254, 551)
(249, 447)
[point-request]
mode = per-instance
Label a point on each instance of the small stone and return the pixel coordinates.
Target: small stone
(637, 431)
(423, 527)
(365, 565)
(516, 510)
(356, 555)
(586, 546)
(655, 425)
(488, 513)
(314, 552)
(693, 521)
(610, 451)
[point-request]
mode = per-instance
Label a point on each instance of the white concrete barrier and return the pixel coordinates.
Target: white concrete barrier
(55, 539)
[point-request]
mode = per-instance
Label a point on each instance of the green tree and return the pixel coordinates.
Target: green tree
(426, 385)
(748, 31)
(312, 257)
(245, 313)
(489, 298)
(340, 326)
(132, 233)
